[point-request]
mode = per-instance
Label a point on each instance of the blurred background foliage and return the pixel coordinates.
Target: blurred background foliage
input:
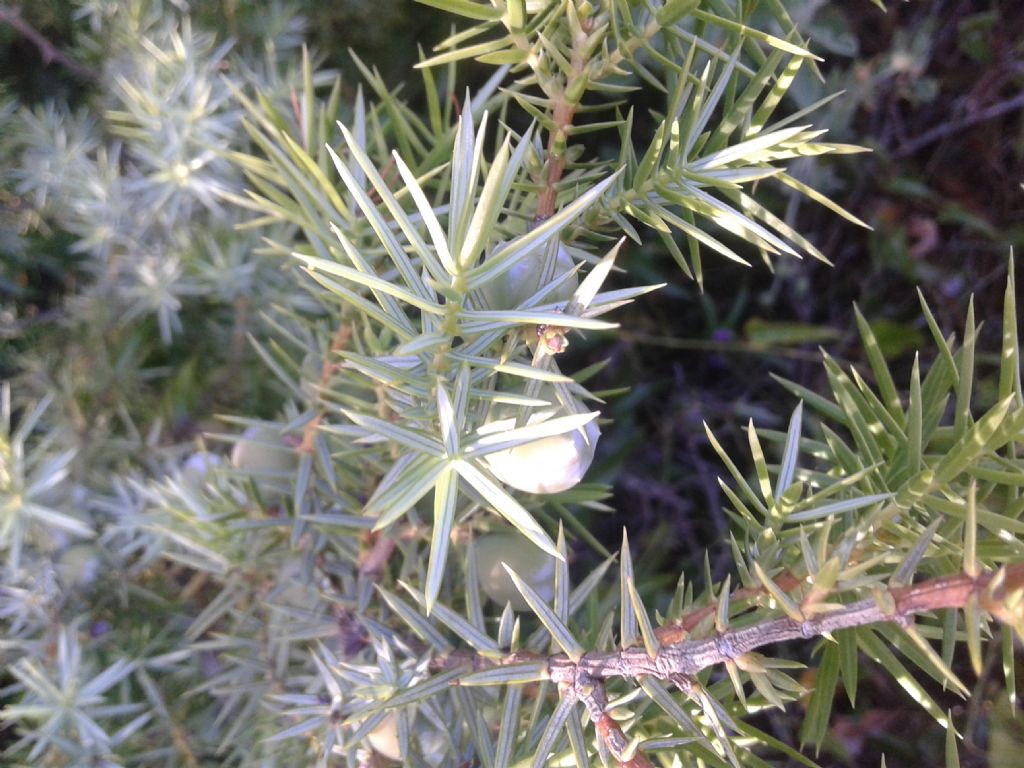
(935, 89)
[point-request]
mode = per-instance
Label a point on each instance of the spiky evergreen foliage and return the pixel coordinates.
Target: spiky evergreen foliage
(314, 594)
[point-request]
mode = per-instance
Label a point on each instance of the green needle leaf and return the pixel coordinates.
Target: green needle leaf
(503, 259)
(499, 441)
(445, 494)
(505, 505)
(788, 605)
(559, 632)
(1009, 361)
(437, 235)
(446, 415)
(509, 729)
(790, 452)
(408, 481)
(508, 674)
(644, 620)
(552, 731)
(466, 8)
(627, 619)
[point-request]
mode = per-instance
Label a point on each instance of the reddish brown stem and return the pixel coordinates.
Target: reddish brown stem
(613, 737)
(327, 369)
(679, 629)
(373, 560)
(563, 116)
(592, 694)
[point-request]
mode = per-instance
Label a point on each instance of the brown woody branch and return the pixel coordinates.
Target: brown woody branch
(1000, 594)
(679, 629)
(592, 694)
(689, 657)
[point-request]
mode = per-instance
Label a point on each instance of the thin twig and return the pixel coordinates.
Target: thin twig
(724, 347)
(940, 132)
(562, 114)
(239, 331)
(47, 50)
(592, 694)
(373, 560)
(327, 369)
(679, 629)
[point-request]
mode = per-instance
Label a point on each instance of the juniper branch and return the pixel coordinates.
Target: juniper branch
(994, 592)
(563, 111)
(591, 694)
(679, 629)
(999, 593)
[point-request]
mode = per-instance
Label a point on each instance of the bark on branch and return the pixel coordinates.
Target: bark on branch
(689, 657)
(1000, 594)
